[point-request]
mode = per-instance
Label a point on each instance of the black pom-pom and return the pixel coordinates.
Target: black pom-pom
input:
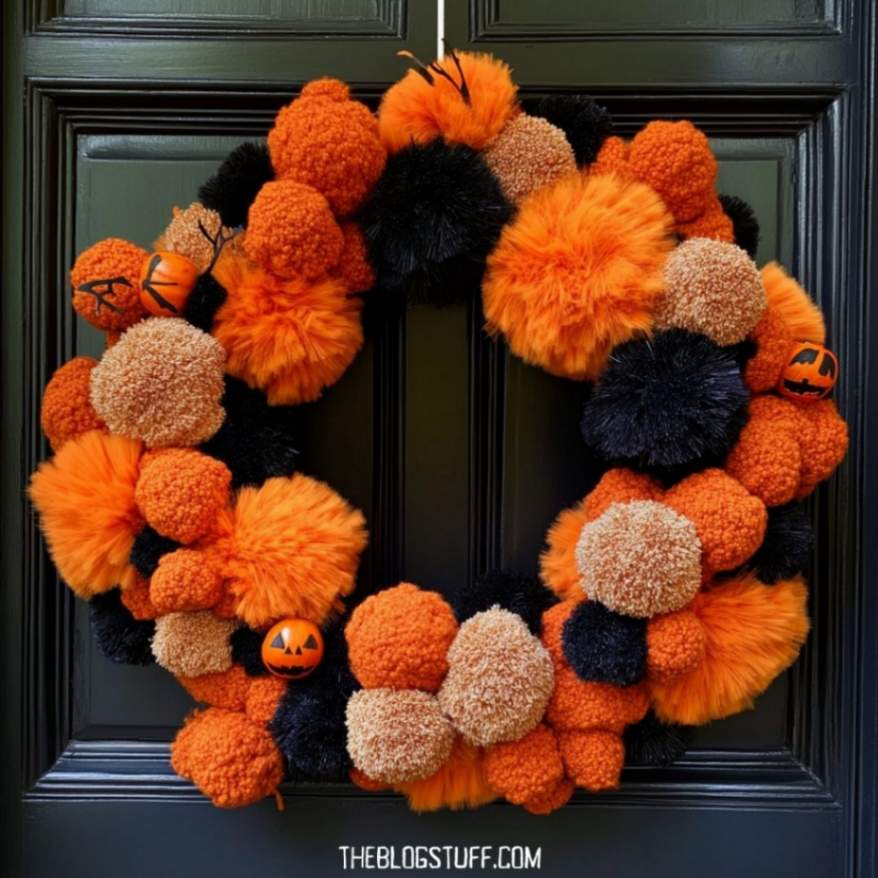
(121, 638)
(586, 124)
(666, 404)
(256, 440)
(247, 650)
(431, 220)
(786, 549)
(204, 301)
(232, 189)
(744, 223)
(149, 546)
(603, 646)
(650, 742)
(524, 595)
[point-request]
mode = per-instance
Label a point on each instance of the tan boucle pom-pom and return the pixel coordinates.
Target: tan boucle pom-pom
(527, 154)
(499, 679)
(713, 288)
(184, 235)
(191, 644)
(162, 382)
(640, 559)
(397, 735)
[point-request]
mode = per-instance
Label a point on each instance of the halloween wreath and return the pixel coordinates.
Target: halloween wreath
(669, 596)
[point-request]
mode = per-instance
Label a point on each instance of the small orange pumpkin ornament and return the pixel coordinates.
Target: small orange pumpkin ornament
(166, 280)
(292, 648)
(810, 372)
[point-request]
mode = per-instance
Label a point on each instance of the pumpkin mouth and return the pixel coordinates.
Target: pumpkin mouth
(803, 387)
(290, 670)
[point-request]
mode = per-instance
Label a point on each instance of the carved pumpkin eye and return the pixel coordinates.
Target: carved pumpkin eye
(810, 373)
(292, 648)
(166, 281)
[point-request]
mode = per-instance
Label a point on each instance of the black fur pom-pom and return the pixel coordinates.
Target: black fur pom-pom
(586, 124)
(524, 595)
(121, 638)
(650, 742)
(149, 546)
(603, 646)
(786, 549)
(744, 222)
(666, 404)
(232, 189)
(433, 217)
(204, 301)
(247, 651)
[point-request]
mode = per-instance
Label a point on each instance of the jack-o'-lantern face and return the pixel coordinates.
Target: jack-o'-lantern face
(292, 648)
(810, 372)
(166, 281)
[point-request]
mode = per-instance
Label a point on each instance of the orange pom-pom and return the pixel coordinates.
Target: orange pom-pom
(184, 582)
(713, 223)
(773, 339)
(552, 629)
(823, 444)
(551, 801)
(354, 268)
(793, 305)
(399, 638)
(612, 158)
(106, 284)
(136, 599)
(593, 759)
(674, 644)
(226, 689)
(577, 272)
(66, 410)
(527, 768)
(576, 704)
(263, 696)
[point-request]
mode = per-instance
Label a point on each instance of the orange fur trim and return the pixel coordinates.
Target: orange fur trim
(793, 305)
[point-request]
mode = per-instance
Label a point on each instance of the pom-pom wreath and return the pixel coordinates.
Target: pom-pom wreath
(744, 222)
(593, 758)
(191, 644)
(674, 644)
(161, 383)
(192, 233)
(399, 638)
(577, 272)
(529, 153)
(650, 742)
(773, 341)
(432, 219)
(397, 735)
(713, 288)
(523, 595)
(296, 548)
(231, 191)
(729, 521)
(289, 338)
(204, 301)
(106, 284)
(229, 757)
(354, 268)
(585, 123)
(247, 650)
(147, 550)
(603, 646)
(640, 558)
(66, 411)
(499, 679)
(183, 582)
(121, 638)
(526, 769)
(464, 98)
(85, 497)
(752, 633)
(674, 401)
(793, 305)
(291, 231)
(180, 492)
(786, 549)
(327, 141)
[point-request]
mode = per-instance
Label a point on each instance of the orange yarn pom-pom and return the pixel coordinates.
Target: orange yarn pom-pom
(576, 704)
(674, 644)
(136, 599)
(593, 758)
(773, 339)
(226, 689)
(66, 411)
(184, 582)
(714, 223)
(577, 272)
(354, 268)
(526, 769)
(793, 305)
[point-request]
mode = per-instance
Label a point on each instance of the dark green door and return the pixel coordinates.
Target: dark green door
(114, 110)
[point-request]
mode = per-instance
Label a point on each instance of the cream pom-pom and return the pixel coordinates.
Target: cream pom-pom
(192, 233)
(192, 644)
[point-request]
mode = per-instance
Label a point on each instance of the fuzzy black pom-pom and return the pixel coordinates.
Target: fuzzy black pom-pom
(603, 646)
(247, 650)
(121, 638)
(232, 189)
(586, 124)
(204, 301)
(524, 595)
(786, 549)
(650, 742)
(431, 220)
(256, 440)
(666, 404)
(149, 546)
(744, 223)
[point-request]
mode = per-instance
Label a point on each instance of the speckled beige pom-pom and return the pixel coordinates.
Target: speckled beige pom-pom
(499, 679)
(184, 235)
(397, 735)
(640, 559)
(713, 288)
(192, 644)
(162, 382)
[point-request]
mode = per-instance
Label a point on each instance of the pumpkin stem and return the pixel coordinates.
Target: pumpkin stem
(279, 801)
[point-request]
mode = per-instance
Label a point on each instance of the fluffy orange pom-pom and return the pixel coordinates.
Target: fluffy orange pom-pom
(66, 410)
(713, 223)
(226, 689)
(773, 339)
(417, 110)
(576, 704)
(752, 633)
(136, 599)
(527, 768)
(85, 497)
(612, 158)
(399, 638)
(289, 338)
(552, 629)
(793, 305)
(551, 801)
(184, 582)
(593, 758)
(674, 644)
(263, 696)
(823, 444)
(577, 272)
(354, 268)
